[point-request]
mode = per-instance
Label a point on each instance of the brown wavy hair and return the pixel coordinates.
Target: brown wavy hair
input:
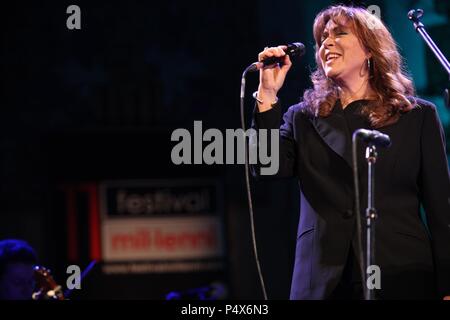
(387, 77)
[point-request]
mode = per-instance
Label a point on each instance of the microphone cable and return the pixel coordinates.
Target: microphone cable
(247, 184)
(293, 49)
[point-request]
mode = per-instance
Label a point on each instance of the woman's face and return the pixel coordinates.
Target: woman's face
(341, 53)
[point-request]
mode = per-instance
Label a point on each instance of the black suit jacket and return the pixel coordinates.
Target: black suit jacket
(414, 171)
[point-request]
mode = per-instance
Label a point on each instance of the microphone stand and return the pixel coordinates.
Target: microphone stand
(414, 16)
(371, 214)
(373, 138)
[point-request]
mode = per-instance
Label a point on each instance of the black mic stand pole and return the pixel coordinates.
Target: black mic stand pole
(373, 139)
(371, 215)
(414, 16)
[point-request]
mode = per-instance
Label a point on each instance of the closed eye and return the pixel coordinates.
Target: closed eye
(325, 35)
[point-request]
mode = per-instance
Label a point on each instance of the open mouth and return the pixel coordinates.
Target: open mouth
(331, 57)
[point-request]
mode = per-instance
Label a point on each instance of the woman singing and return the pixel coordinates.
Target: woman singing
(359, 83)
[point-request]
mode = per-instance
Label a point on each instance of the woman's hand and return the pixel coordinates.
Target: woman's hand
(271, 78)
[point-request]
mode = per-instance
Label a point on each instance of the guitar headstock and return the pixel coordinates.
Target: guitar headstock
(47, 287)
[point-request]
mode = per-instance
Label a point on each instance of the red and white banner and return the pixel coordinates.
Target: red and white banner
(161, 226)
(161, 238)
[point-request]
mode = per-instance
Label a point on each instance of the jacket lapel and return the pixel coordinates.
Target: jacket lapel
(334, 132)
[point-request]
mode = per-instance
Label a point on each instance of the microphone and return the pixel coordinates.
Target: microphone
(292, 50)
(374, 137)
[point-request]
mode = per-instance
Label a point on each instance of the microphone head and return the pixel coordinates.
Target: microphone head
(295, 49)
(382, 140)
(374, 137)
(415, 15)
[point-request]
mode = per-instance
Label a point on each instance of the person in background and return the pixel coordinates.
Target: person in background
(17, 259)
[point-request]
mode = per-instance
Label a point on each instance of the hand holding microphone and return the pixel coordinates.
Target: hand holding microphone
(273, 65)
(269, 59)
